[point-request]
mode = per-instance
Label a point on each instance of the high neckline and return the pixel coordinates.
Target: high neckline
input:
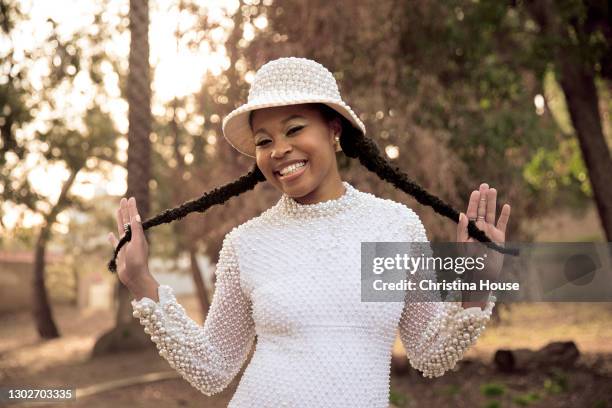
(289, 206)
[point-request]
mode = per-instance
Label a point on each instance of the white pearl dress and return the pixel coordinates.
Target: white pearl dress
(291, 278)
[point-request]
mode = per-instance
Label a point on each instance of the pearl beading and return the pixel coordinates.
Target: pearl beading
(291, 278)
(287, 206)
(286, 76)
(449, 331)
(207, 357)
(438, 332)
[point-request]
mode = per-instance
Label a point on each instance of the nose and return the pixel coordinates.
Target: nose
(281, 148)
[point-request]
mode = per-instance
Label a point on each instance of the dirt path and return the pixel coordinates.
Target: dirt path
(24, 360)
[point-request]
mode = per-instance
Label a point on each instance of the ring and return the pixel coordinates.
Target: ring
(481, 217)
(126, 227)
(472, 219)
(483, 199)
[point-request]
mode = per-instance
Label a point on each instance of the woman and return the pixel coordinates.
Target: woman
(292, 276)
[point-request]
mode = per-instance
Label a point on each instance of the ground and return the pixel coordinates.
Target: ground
(25, 360)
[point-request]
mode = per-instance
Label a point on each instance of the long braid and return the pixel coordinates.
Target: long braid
(218, 195)
(354, 145)
(357, 145)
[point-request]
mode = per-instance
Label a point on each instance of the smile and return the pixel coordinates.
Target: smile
(293, 171)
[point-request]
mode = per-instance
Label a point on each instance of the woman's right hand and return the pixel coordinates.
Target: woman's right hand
(132, 260)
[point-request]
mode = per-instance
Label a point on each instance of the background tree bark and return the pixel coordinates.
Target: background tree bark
(128, 333)
(577, 79)
(42, 311)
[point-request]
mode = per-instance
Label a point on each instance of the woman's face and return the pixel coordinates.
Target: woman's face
(297, 135)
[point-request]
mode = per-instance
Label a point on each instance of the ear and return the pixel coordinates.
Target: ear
(336, 127)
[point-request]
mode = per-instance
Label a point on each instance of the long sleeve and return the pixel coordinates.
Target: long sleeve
(207, 356)
(434, 333)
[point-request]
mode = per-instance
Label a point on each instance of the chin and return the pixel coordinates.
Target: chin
(298, 189)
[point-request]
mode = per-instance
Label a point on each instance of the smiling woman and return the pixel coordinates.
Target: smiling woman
(292, 275)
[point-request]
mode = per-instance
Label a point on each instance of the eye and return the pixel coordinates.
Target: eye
(294, 129)
(297, 128)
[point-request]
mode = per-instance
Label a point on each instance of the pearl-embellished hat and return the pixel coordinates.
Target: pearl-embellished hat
(281, 82)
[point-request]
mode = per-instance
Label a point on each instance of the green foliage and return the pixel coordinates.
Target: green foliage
(19, 239)
(492, 389)
(557, 383)
(526, 399)
(75, 147)
(492, 404)
(397, 399)
(451, 390)
(551, 169)
(77, 143)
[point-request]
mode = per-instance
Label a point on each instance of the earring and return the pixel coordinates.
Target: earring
(338, 148)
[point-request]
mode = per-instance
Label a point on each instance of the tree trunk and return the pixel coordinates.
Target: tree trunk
(42, 311)
(128, 333)
(578, 83)
(577, 79)
(43, 315)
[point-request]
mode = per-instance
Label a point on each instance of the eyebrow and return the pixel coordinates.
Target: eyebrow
(282, 121)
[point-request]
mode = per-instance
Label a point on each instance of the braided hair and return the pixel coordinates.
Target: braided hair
(354, 145)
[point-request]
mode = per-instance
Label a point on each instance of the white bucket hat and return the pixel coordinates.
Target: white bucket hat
(281, 82)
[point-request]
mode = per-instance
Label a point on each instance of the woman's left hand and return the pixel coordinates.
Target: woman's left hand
(481, 209)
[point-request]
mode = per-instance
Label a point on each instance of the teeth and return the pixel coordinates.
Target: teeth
(292, 168)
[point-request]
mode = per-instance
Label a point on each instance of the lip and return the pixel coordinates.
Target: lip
(295, 175)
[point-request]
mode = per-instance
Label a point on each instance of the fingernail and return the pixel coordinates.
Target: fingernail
(137, 217)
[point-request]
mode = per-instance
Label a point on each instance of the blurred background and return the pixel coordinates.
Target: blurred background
(105, 99)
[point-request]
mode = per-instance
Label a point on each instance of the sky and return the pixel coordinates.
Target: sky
(177, 72)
